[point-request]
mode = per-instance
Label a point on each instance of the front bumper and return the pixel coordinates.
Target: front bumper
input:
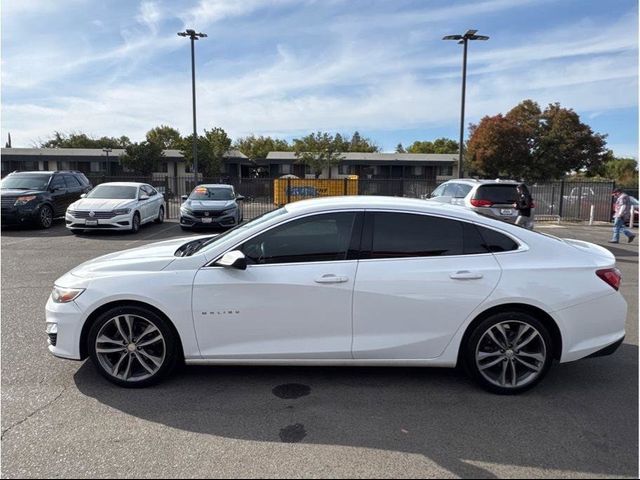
(21, 215)
(226, 220)
(119, 222)
(63, 327)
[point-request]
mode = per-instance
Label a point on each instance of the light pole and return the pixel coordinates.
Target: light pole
(193, 36)
(464, 39)
(107, 150)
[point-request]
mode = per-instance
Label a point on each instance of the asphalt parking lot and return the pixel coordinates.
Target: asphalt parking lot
(60, 419)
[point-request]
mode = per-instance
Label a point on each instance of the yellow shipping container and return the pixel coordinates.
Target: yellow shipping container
(286, 190)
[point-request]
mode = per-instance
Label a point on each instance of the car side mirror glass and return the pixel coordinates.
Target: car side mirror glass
(234, 259)
(185, 197)
(239, 197)
(144, 197)
(83, 195)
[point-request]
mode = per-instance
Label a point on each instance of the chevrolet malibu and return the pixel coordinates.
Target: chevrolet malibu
(345, 281)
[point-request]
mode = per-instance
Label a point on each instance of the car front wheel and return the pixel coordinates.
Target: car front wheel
(508, 353)
(132, 346)
(135, 223)
(45, 217)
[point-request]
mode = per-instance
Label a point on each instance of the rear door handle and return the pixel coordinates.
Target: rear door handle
(331, 278)
(466, 275)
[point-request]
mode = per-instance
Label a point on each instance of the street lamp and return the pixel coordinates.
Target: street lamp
(193, 36)
(107, 150)
(463, 40)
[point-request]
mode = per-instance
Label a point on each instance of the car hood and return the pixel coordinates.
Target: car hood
(10, 192)
(209, 204)
(101, 204)
(148, 258)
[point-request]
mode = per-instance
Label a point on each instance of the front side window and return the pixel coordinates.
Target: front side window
(439, 191)
(317, 238)
(405, 235)
(71, 181)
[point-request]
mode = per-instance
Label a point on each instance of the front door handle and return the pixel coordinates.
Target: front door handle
(331, 278)
(466, 275)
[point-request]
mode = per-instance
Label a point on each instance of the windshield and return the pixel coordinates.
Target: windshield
(117, 192)
(212, 193)
(190, 248)
(36, 181)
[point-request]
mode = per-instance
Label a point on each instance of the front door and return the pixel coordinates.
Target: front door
(292, 302)
(420, 278)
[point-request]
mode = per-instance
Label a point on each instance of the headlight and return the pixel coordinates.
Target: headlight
(23, 200)
(186, 210)
(122, 211)
(65, 295)
(229, 210)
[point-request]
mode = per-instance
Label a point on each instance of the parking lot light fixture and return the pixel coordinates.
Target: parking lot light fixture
(193, 36)
(107, 150)
(463, 40)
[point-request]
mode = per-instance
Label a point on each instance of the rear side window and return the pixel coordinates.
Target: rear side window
(71, 181)
(505, 194)
(324, 237)
(84, 181)
(402, 235)
(495, 241)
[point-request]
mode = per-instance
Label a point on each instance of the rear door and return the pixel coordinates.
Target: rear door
(419, 278)
(58, 189)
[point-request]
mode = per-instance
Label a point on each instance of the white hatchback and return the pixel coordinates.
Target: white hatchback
(116, 206)
(345, 281)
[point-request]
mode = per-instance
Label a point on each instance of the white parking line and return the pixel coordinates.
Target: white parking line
(153, 234)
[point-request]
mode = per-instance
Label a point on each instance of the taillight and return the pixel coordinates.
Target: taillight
(612, 276)
(481, 203)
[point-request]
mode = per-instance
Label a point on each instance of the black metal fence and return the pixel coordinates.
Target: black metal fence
(554, 200)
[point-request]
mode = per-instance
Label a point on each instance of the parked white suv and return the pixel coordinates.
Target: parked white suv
(494, 198)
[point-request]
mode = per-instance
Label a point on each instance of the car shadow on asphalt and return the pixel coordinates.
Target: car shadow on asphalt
(582, 418)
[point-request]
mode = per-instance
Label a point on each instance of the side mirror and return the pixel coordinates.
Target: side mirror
(239, 197)
(83, 195)
(143, 197)
(184, 197)
(234, 259)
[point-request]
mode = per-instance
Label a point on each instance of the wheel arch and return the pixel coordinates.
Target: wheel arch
(86, 328)
(546, 319)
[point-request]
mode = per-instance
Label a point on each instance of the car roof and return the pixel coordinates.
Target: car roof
(216, 185)
(473, 181)
(123, 184)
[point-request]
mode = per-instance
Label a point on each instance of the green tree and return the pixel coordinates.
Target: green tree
(165, 136)
(212, 148)
(400, 149)
(359, 143)
(143, 158)
(535, 144)
(259, 147)
(439, 145)
(319, 151)
(623, 170)
(82, 140)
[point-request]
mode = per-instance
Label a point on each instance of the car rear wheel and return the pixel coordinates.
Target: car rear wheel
(133, 346)
(160, 218)
(135, 223)
(508, 353)
(45, 217)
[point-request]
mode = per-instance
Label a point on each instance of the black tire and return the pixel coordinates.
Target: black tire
(45, 217)
(170, 343)
(160, 218)
(135, 223)
(479, 342)
(76, 231)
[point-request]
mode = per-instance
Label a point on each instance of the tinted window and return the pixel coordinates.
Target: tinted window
(496, 242)
(58, 182)
(408, 235)
(497, 193)
(71, 181)
(317, 238)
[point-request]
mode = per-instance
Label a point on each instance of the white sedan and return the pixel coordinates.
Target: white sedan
(116, 206)
(345, 281)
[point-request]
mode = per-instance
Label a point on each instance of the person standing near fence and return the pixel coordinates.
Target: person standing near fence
(524, 204)
(621, 215)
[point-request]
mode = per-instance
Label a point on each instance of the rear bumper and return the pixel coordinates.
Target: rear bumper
(607, 350)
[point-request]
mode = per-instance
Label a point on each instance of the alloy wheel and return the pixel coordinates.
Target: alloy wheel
(46, 217)
(511, 354)
(130, 348)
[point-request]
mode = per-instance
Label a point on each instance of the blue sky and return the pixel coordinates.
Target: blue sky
(289, 67)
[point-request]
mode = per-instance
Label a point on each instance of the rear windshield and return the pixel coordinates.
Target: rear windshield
(497, 193)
